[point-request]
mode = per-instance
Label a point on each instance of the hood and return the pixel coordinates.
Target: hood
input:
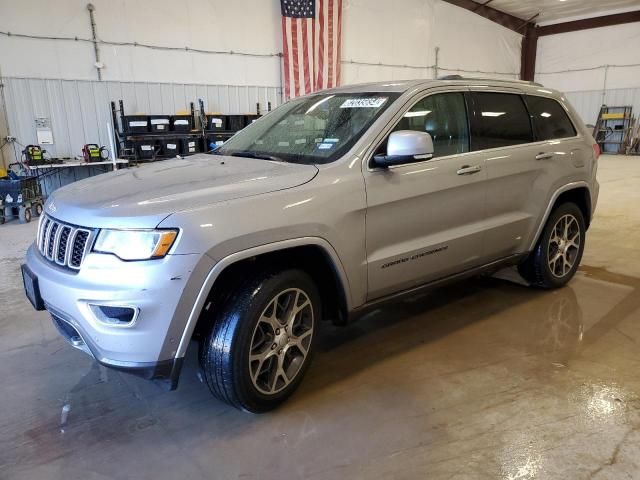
(142, 197)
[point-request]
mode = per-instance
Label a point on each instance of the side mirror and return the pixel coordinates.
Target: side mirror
(405, 146)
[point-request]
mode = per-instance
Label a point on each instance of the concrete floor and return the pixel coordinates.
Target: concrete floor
(484, 379)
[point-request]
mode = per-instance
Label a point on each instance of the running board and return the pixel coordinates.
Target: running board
(472, 272)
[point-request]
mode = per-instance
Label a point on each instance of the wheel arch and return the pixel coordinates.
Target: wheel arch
(313, 254)
(576, 192)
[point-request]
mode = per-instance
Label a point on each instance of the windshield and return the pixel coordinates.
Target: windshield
(314, 129)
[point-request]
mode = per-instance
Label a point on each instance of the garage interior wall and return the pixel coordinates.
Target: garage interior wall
(57, 79)
(594, 67)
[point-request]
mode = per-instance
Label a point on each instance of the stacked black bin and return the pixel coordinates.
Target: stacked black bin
(236, 122)
(189, 145)
(216, 123)
(135, 123)
(169, 146)
(160, 123)
(182, 123)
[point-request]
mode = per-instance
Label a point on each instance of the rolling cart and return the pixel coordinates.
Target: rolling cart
(20, 197)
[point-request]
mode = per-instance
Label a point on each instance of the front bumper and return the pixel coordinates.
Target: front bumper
(152, 287)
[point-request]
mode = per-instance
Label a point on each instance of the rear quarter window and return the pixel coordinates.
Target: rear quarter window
(550, 120)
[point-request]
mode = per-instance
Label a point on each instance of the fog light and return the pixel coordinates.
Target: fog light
(115, 315)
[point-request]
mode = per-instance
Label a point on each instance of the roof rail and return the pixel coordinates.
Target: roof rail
(460, 77)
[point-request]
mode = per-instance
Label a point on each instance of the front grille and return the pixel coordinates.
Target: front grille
(61, 243)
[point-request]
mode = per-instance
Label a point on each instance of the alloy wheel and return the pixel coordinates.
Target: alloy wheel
(281, 340)
(564, 245)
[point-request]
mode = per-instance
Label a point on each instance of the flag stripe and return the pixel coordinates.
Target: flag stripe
(285, 56)
(319, 82)
(290, 89)
(339, 45)
(308, 58)
(330, 35)
(295, 59)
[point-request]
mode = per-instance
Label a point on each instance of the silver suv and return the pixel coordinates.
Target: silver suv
(326, 206)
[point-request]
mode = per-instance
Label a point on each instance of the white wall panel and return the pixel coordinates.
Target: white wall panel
(238, 25)
(403, 32)
(590, 49)
(393, 38)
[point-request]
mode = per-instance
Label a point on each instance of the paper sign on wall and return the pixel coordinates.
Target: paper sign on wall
(43, 131)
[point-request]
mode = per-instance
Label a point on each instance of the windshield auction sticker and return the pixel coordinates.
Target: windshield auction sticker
(373, 102)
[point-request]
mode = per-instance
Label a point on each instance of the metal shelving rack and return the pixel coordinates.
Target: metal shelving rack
(125, 141)
(613, 128)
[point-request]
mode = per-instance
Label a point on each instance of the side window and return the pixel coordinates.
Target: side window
(501, 120)
(550, 120)
(444, 117)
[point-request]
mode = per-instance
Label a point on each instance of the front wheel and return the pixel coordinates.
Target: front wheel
(261, 340)
(557, 255)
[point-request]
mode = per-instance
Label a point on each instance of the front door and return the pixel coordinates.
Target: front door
(425, 220)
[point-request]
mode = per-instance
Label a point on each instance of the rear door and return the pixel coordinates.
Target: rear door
(424, 219)
(525, 156)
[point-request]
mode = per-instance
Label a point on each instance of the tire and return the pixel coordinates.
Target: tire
(37, 209)
(250, 360)
(24, 214)
(8, 213)
(540, 269)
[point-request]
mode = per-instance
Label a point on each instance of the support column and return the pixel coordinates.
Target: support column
(529, 51)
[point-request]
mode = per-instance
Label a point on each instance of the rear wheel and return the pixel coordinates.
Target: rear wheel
(557, 255)
(24, 214)
(261, 340)
(8, 213)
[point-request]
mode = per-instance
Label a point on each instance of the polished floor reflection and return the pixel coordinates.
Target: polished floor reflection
(483, 379)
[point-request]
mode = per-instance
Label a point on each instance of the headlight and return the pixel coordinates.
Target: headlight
(135, 244)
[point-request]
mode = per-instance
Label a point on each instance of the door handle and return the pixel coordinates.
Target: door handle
(544, 156)
(469, 170)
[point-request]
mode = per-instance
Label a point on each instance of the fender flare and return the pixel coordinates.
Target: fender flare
(552, 201)
(219, 267)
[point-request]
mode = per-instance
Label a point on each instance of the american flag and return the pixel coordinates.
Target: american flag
(311, 42)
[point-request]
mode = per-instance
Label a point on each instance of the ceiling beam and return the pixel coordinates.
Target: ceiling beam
(589, 23)
(508, 21)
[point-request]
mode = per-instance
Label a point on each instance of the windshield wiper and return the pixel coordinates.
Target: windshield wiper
(262, 156)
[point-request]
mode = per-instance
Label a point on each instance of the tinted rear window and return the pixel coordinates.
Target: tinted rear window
(550, 120)
(501, 120)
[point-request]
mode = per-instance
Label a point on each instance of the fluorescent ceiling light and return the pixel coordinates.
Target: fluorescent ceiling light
(493, 114)
(545, 114)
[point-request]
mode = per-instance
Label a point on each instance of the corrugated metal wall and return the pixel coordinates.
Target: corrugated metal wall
(80, 110)
(588, 103)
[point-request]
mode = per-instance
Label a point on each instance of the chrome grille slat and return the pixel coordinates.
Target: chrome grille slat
(51, 239)
(78, 248)
(43, 237)
(61, 251)
(64, 244)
